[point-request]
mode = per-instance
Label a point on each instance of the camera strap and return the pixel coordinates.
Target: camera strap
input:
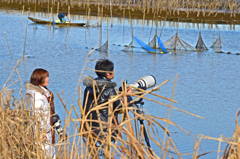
(49, 103)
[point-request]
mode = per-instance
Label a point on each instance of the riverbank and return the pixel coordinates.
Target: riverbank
(193, 16)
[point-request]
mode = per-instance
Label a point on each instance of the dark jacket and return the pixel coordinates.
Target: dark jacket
(102, 97)
(61, 16)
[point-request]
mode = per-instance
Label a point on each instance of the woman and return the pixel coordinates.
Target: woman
(42, 107)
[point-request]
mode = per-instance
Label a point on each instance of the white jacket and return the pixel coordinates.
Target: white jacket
(40, 108)
(39, 105)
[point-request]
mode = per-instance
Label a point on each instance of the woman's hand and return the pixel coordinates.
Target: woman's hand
(44, 138)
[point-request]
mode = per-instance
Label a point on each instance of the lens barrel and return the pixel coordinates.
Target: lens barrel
(146, 82)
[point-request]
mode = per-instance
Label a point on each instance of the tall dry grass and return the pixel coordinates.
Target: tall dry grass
(21, 138)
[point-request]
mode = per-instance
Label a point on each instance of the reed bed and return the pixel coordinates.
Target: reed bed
(204, 7)
(200, 11)
(21, 137)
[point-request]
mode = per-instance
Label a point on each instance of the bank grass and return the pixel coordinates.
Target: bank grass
(201, 7)
(21, 136)
(197, 11)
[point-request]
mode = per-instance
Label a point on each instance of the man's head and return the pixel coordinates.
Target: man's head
(105, 68)
(65, 14)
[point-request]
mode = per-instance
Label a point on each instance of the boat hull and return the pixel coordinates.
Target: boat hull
(39, 21)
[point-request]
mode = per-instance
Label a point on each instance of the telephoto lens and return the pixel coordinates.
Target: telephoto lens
(145, 82)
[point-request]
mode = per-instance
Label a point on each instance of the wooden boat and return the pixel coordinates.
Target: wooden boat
(40, 21)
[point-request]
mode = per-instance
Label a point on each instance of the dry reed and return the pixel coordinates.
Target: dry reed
(7, 43)
(232, 149)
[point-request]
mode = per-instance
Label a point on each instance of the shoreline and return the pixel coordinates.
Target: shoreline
(192, 16)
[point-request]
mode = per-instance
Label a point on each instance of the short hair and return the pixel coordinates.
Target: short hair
(103, 66)
(38, 76)
(66, 14)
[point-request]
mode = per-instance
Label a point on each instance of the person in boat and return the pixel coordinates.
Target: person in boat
(105, 89)
(40, 102)
(62, 17)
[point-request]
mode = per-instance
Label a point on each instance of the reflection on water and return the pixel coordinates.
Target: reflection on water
(208, 83)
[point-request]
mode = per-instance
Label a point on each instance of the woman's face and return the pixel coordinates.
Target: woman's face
(46, 82)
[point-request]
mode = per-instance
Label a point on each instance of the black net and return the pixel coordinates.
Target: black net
(200, 44)
(153, 43)
(104, 47)
(218, 43)
(175, 43)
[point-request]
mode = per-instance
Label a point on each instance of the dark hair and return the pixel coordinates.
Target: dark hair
(66, 14)
(38, 76)
(103, 65)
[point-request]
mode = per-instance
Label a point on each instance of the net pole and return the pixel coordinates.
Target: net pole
(111, 12)
(175, 44)
(213, 42)
(123, 22)
(155, 36)
(131, 26)
(107, 36)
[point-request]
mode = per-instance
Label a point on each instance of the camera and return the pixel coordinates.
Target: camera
(57, 124)
(145, 82)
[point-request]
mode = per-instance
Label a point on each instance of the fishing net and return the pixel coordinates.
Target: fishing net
(218, 43)
(200, 44)
(140, 46)
(175, 43)
(143, 45)
(162, 47)
(153, 43)
(129, 48)
(104, 47)
(157, 44)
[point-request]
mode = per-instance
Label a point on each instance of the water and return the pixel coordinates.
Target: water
(207, 84)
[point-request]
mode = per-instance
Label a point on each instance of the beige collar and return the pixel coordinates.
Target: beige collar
(30, 86)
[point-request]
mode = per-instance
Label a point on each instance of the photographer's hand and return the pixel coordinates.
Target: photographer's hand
(130, 90)
(63, 136)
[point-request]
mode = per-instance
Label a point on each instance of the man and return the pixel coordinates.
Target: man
(104, 90)
(62, 16)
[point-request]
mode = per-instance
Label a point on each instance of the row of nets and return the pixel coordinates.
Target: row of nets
(156, 45)
(176, 43)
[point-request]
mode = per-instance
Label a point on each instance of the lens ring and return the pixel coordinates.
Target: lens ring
(154, 80)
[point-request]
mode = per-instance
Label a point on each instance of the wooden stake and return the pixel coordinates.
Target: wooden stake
(57, 8)
(25, 37)
(22, 14)
(69, 12)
